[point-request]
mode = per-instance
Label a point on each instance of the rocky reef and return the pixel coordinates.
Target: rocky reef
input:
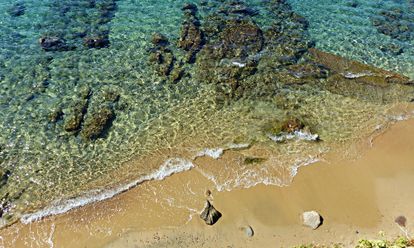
(243, 59)
(88, 114)
(396, 23)
(77, 24)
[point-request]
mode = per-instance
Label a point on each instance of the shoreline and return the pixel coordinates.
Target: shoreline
(370, 201)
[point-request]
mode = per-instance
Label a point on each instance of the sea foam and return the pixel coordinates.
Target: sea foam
(169, 167)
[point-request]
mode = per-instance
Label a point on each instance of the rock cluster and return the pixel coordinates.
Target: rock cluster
(241, 59)
(396, 23)
(163, 61)
(88, 118)
(77, 24)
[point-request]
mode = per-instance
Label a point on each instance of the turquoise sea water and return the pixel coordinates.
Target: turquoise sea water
(44, 160)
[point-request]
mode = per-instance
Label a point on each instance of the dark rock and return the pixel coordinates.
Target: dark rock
(240, 39)
(253, 160)
(17, 9)
(292, 125)
(210, 215)
(353, 4)
(176, 74)
(96, 122)
(162, 60)
(110, 96)
(99, 41)
(191, 37)
(396, 23)
(74, 118)
(76, 110)
(4, 176)
(190, 7)
(53, 43)
(401, 221)
(159, 39)
(55, 115)
(392, 48)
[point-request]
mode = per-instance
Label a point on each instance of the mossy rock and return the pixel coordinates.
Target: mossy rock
(253, 160)
(96, 122)
(287, 125)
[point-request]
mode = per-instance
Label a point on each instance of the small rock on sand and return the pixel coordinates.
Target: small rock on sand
(210, 215)
(312, 219)
(248, 230)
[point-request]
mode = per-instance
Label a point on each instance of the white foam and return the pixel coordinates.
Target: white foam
(351, 75)
(169, 167)
(239, 146)
(399, 117)
(301, 135)
(241, 65)
(294, 169)
(217, 152)
(211, 152)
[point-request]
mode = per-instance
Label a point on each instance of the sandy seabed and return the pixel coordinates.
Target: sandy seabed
(358, 198)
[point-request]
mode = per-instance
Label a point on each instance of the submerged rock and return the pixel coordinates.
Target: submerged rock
(96, 122)
(254, 160)
(191, 37)
(53, 44)
(396, 23)
(17, 9)
(4, 176)
(98, 41)
(210, 215)
(159, 39)
(312, 219)
(73, 116)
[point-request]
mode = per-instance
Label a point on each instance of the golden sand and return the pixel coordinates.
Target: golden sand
(357, 199)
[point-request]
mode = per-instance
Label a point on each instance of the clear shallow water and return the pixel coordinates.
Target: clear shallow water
(153, 117)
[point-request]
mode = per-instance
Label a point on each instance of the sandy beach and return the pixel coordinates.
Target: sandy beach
(358, 198)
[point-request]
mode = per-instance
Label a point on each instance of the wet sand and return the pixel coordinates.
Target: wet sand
(357, 198)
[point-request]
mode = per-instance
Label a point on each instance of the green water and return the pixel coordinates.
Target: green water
(45, 163)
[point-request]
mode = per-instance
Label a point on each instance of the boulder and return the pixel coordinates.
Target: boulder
(98, 41)
(210, 215)
(53, 44)
(312, 219)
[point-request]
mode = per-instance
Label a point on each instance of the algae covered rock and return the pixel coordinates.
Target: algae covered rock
(191, 37)
(53, 44)
(73, 116)
(96, 122)
(97, 41)
(159, 39)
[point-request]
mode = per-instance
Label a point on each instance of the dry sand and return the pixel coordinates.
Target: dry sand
(357, 198)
